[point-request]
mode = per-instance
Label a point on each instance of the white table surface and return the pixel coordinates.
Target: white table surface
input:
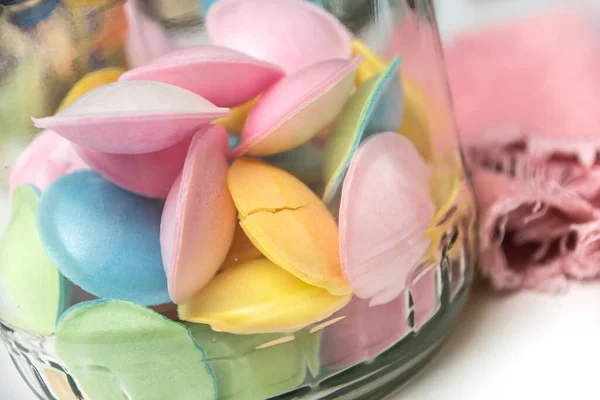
(519, 346)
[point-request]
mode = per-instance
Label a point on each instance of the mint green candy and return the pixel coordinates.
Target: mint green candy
(34, 292)
(257, 367)
(119, 350)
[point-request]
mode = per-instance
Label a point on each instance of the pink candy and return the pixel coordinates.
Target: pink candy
(293, 34)
(298, 107)
(46, 159)
(384, 213)
(199, 217)
(235, 78)
(133, 117)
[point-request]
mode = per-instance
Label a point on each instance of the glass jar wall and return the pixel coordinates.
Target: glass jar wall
(237, 199)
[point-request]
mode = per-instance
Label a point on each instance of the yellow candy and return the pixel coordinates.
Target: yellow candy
(241, 250)
(89, 82)
(372, 65)
(259, 297)
(415, 120)
(448, 184)
(288, 223)
(234, 123)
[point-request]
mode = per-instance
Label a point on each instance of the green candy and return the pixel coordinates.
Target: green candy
(119, 350)
(34, 292)
(376, 106)
(246, 373)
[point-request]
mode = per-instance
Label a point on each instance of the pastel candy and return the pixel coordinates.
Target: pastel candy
(304, 162)
(104, 238)
(241, 249)
(148, 174)
(363, 332)
(147, 40)
(89, 82)
(288, 223)
(233, 142)
(258, 366)
(374, 107)
(385, 211)
(133, 117)
(266, 299)
(199, 217)
(372, 65)
(415, 121)
(48, 157)
(265, 29)
(118, 350)
(225, 77)
(234, 123)
(35, 292)
(297, 108)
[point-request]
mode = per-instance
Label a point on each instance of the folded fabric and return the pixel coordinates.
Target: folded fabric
(535, 80)
(526, 96)
(539, 223)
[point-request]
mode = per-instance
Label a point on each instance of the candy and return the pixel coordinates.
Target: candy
(236, 120)
(103, 238)
(133, 117)
(297, 108)
(288, 223)
(225, 77)
(304, 162)
(148, 174)
(46, 159)
(374, 107)
(259, 297)
(382, 230)
(241, 249)
(362, 332)
(147, 40)
(415, 122)
(89, 82)
(118, 350)
(372, 65)
(199, 217)
(35, 290)
(293, 34)
(258, 366)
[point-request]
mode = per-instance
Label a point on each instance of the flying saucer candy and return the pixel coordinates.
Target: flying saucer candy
(293, 34)
(378, 264)
(225, 77)
(103, 238)
(259, 297)
(35, 291)
(374, 107)
(133, 117)
(117, 350)
(297, 108)
(199, 217)
(288, 223)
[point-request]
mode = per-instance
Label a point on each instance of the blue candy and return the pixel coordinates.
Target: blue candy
(104, 238)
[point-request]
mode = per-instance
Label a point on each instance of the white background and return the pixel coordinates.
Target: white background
(519, 346)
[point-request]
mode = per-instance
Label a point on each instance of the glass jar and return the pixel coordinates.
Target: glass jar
(305, 231)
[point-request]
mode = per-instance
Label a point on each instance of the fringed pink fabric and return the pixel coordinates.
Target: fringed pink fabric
(527, 96)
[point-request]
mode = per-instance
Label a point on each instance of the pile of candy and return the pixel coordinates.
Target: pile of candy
(258, 183)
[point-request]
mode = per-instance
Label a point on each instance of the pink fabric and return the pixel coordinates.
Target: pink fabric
(534, 80)
(539, 221)
(527, 96)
